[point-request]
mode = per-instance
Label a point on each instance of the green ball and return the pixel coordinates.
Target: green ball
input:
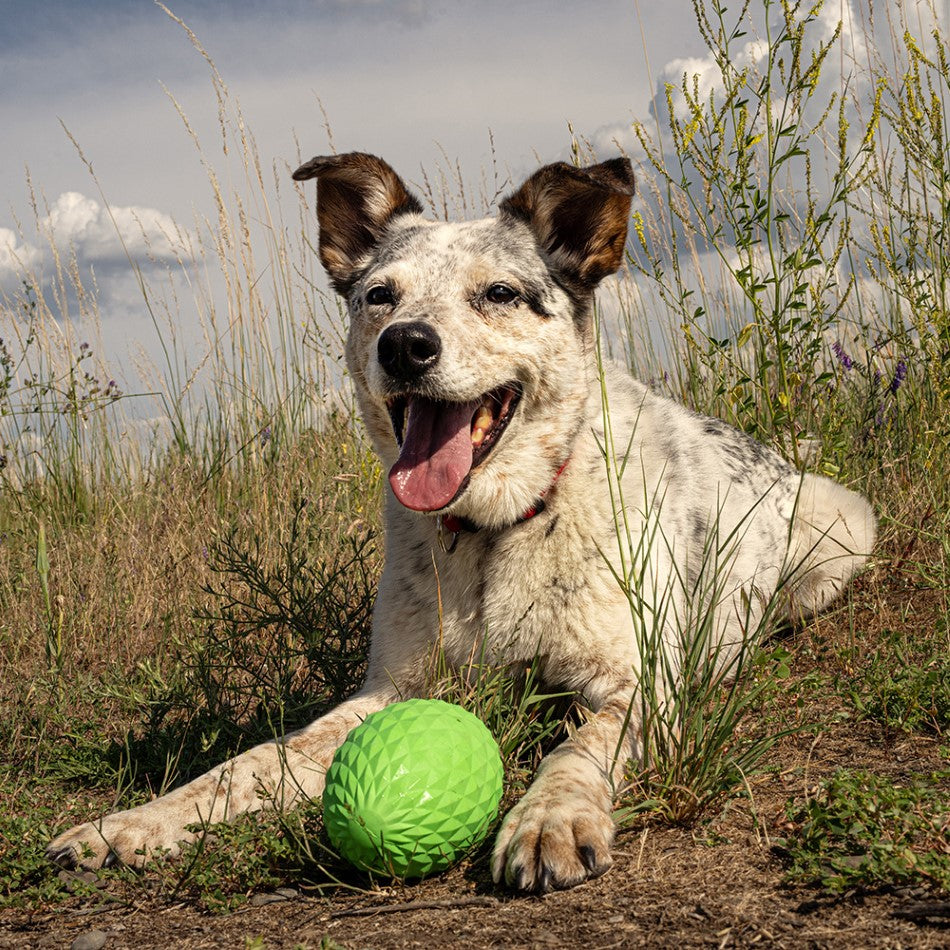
(412, 788)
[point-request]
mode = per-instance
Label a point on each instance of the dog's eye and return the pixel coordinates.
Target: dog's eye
(380, 296)
(500, 293)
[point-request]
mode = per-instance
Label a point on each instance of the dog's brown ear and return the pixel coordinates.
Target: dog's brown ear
(357, 196)
(578, 215)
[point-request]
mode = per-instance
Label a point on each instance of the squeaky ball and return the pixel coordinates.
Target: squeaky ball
(412, 788)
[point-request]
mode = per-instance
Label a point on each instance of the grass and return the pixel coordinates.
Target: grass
(166, 600)
(903, 687)
(862, 830)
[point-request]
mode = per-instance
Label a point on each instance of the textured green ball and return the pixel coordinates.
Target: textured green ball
(412, 788)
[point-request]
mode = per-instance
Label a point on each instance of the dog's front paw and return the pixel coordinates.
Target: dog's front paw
(127, 837)
(555, 837)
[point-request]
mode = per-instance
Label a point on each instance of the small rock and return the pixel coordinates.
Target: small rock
(90, 940)
(259, 900)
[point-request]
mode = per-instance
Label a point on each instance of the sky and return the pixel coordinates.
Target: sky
(420, 82)
(403, 78)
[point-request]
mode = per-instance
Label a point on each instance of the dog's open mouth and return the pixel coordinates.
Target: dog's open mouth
(441, 442)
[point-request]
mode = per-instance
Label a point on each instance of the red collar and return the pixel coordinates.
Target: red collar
(455, 525)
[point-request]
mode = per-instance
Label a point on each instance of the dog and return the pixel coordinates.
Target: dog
(523, 521)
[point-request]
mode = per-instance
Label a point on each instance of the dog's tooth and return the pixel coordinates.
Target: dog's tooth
(481, 424)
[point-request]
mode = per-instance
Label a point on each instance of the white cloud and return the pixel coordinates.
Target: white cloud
(704, 74)
(86, 258)
(16, 256)
(102, 235)
(847, 63)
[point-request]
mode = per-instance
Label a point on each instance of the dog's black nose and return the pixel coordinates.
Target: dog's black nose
(407, 350)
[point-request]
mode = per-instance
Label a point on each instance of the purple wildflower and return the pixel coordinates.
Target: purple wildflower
(900, 374)
(843, 357)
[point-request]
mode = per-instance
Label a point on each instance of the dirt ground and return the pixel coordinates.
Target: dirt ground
(665, 890)
(720, 884)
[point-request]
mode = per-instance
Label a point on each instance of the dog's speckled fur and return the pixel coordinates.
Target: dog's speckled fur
(701, 499)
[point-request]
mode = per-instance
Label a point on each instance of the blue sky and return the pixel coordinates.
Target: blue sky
(417, 81)
(399, 77)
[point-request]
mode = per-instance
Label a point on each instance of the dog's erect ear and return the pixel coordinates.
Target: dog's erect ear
(357, 196)
(578, 215)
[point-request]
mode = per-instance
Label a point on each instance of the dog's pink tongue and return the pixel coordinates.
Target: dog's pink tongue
(436, 453)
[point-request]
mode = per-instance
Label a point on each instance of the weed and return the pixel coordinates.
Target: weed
(229, 862)
(695, 685)
(284, 639)
(731, 152)
(296, 631)
(864, 830)
(54, 623)
(522, 716)
(902, 690)
(25, 878)
(268, 849)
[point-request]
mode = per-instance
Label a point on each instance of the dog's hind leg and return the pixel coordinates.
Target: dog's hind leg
(561, 831)
(275, 774)
(832, 534)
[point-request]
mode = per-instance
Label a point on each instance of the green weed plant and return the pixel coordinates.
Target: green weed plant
(865, 830)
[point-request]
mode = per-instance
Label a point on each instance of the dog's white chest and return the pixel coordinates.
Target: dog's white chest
(536, 592)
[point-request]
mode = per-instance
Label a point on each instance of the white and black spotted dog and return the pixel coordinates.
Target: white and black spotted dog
(471, 347)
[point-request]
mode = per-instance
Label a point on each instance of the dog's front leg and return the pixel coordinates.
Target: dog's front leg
(276, 774)
(561, 831)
